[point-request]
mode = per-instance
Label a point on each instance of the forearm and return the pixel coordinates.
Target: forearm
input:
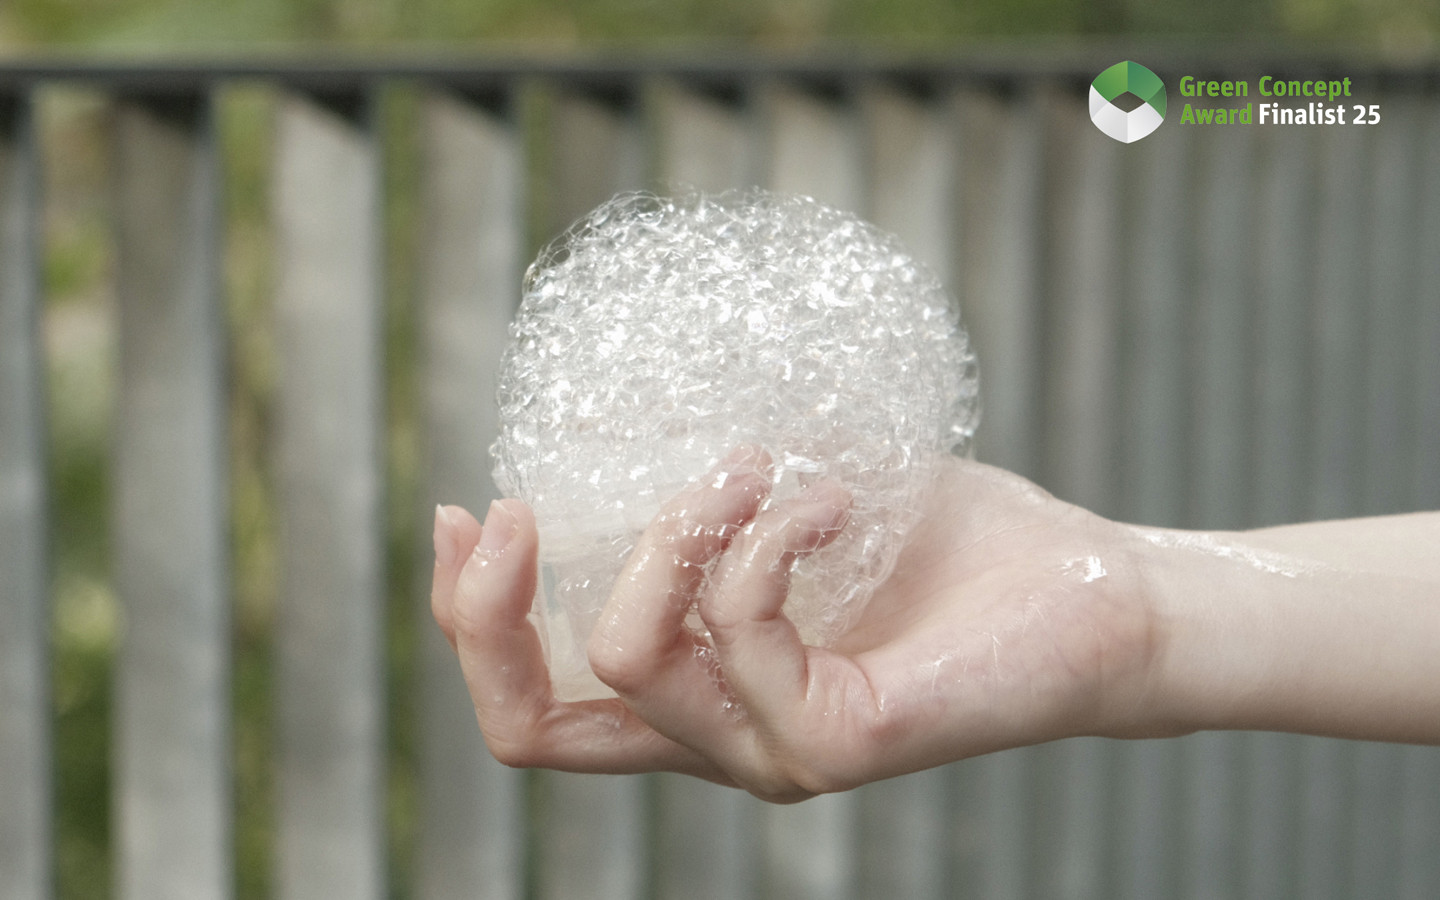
(1325, 628)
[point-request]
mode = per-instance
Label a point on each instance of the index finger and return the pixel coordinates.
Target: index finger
(504, 668)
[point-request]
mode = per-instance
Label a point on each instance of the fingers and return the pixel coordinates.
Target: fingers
(716, 712)
(499, 649)
(764, 661)
(676, 680)
(504, 668)
(456, 533)
(641, 631)
(641, 646)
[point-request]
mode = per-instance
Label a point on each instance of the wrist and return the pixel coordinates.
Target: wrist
(1252, 632)
(1213, 649)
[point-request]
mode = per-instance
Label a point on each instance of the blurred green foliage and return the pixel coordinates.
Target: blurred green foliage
(173, 26)
(79, 349)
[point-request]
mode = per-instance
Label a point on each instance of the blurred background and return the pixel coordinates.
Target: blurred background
(1129, 310)
(212, 26)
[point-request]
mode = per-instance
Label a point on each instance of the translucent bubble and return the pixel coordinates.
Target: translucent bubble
(658, 334)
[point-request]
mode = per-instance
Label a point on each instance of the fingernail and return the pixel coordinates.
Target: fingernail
(500, 526)
(444, 537)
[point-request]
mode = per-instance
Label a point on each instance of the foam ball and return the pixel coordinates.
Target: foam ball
(658, 334)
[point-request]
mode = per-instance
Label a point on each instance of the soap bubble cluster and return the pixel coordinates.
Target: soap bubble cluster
(657, 334)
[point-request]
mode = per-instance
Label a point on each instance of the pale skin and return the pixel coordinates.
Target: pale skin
(1012, 618)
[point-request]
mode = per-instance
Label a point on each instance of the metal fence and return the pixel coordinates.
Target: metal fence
(1214, 327)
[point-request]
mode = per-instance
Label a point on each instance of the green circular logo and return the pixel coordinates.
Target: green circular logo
(1127, 120)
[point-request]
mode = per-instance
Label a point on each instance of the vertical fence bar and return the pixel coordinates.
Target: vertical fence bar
(1375, 831)
(472, 835)
(1329, 766)
(331, 740)
(592, 831)
(1153, 432)
(1283, 263)
(1420, 766)
(1282, 266)
(814, 146)
(809, 848)
(706, 845)
(705, 135)
(1386, 385)
(705, 835)
(1001, 240)
(1153, 241)
(594, 840)
(977, 117)
(1217, 480)
(1000, 253)
(1081, 420)
(1388, 305)
(172, 753)
(900, 840)
(911, 155)
(1339, 322)
(1419, 814)
(1082, 331)
(25, 778)
(1269, 816)
(595, 147)
(1425, 476)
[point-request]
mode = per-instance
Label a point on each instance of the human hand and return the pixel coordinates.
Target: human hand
(1012, 618)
